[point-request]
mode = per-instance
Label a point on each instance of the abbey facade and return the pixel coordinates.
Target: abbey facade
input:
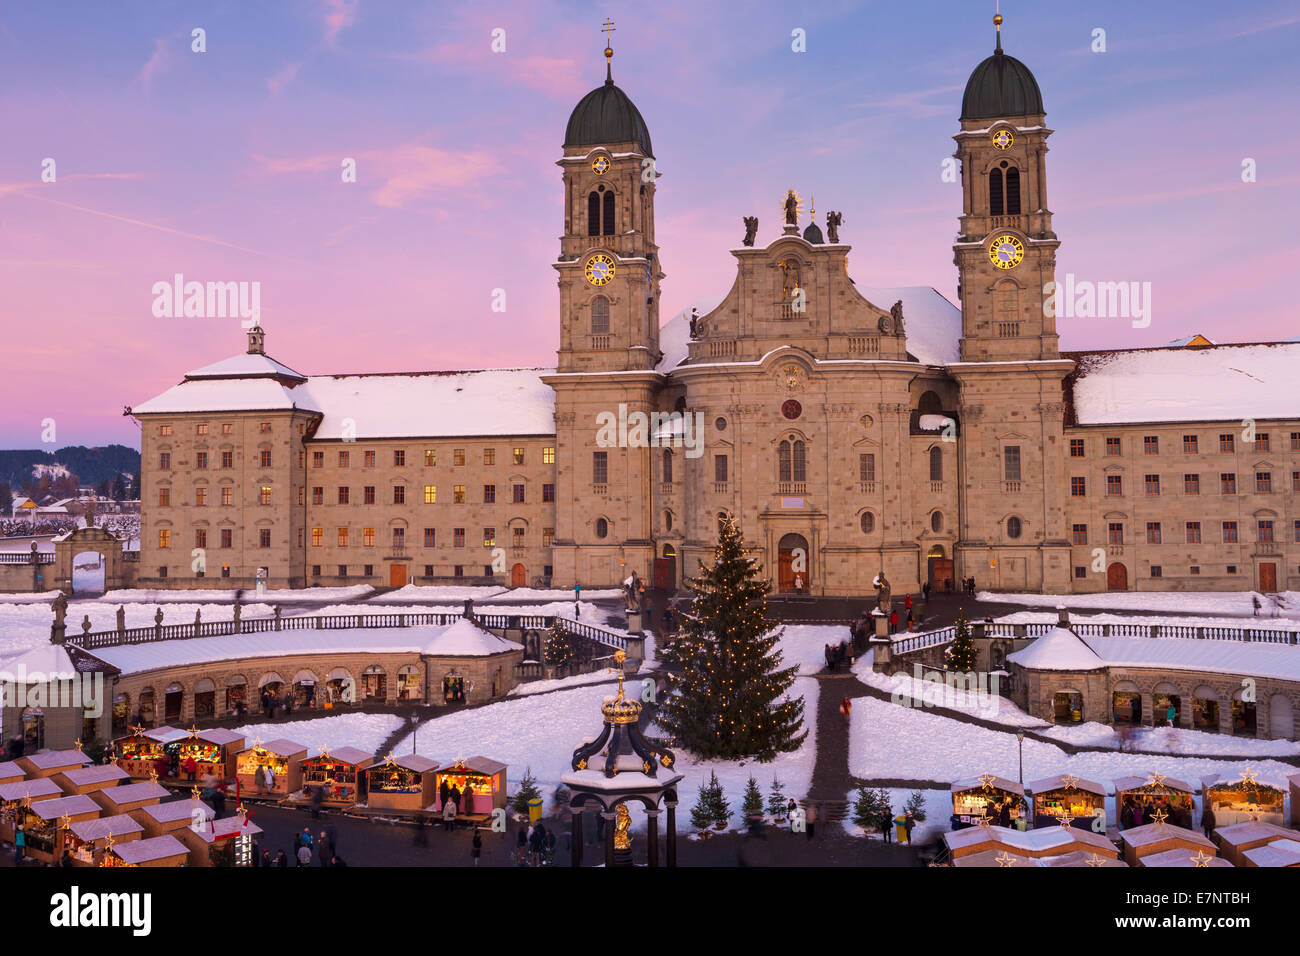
(849, 429)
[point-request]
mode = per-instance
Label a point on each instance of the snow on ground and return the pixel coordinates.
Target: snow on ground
(889, 741)
(24, 626)
(563, 683)
(1228, 603)
(804, 645)
(1174, 740)
(938, 810)
(424, 594)
(363, 731)
(976, 702)
(1050, 617)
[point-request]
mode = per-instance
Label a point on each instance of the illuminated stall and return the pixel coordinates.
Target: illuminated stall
(172, 816)
(154, 851)
(220, 843)
(401, 783)
(1142, 800)
(985, 797)
(1243, 800)
(341, 773)
(143, 754)
(16, 797)
(1237, 839)
(1066, 796)
(1160, 837)
(283, 757)
(214, 751)
(484, 778)
(86, 840)
(46, 823)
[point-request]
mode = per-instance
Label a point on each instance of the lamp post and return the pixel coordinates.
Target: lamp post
(1020, 744)
(415, 729)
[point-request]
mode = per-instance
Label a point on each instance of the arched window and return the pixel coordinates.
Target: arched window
(593, 214)
(783, 461)
(868, 522)
(996, 206)
(668, 466)
(936, 464)
(936, 522)
(1013, 527)
(609, 213)
(602, 528)
(668, 525)
(929, 404)
(800, 469)
(600, 315)
(1013, 192)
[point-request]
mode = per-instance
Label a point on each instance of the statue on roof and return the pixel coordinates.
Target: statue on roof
(833, 220)
(791, 209)
(695, 323)
(751, 229)
(896, 311)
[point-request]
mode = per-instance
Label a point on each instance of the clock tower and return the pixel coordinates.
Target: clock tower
(609, 275)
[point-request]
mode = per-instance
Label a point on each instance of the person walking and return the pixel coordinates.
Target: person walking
(909, 823)
(893, 622)
(907, 602)
(883, 822)
(521, 846)
(1171, 714)
(449, 815)
(281, 860)
(830, 659)
(20, 844)
(304, 855)
(476, 846)
(1207, 821)
(910, 622)
(925, 592)
(810, 819)
(536, 842)
(324, 851)
(846, 708)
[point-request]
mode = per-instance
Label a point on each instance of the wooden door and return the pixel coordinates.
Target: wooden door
(1117, 577)
(664, 573)
(397, 575)
(941, 569)
(1268, 577)
(518, 576)
(785, 570)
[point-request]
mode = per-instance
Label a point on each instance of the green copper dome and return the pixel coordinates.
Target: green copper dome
(1001, 86)
(605, 116)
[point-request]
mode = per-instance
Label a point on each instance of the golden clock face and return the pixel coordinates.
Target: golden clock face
(599, 165)
(600, 269)
(1003, 139)
(1006, 251)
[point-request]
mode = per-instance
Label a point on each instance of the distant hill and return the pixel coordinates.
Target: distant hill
(90, 465)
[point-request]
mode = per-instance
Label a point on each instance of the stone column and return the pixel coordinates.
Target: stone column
(610, 819)
(575, 838)
(652, 837)
(672, 832)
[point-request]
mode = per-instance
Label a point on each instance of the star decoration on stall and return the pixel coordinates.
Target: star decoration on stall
(193, 731)
(1066, 823)
(195, 792)
(1202, 858)
(1160, 816)
(324, 752)
(1095, 860)
(257, 743)
(1005, 859)
(1157, 779)
(153, 774)
(1069, 780)
(138, 730)
(65, 822)
(76, 744)
(1248, 775)
(986, 779)
(985, 821)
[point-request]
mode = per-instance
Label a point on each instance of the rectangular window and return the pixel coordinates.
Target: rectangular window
(1227, 484)
(227, 429)
(1080, 572)
(302, 459)
(1115, 532)
(548, 535)
(343, 537)
(1261, 441)
(517, 537)
(1263, 482)
(399, 457)
(164, 538)
(399, 538)
(264, 428)
(1078, 487)
(458, 571)
(458, 494)
(227, 459)
(399, 494)
(1011, 463)
(318, 495)
(200, 429)
(430, 537)
(867, 467)
(368, 494)
(164, 497)
(548, 453)
(343, 570)
(345, 495)
(318, 459)
(300, 533)
(1232, 569)
(201, 459)
(264, 496)
(518, 455)
(1079, 533)
(719, 467)
(458, 537)
(1297, 530)
(1193, 532)
(487, 571)
(489, 537)
(548, 492)
(164, 429)
(1114, 486)
(1226, 442)
(265, 459)
(1265, 527)
(317, 537)
(1157, 571)
(315, 570)
(1153, 532)
(1076, 447)
(368, 570)
(428, 570)
(200, 497)
(1152, 483)
(1194, 569)
(1151, 444)
(1191, 445)
(489, 494)
(1192, 484)
(368, 537)
(1295, 441)
(164, 460)
(517, 494)
(227, 538)
(599, 467)
(264, 537)
(430, 457)
(345, 459)
(1112, 447)
(226, 494)
(458, 456)
(1229, 532)
(368, 459)
(489, 456)
(1295, 481)
(430, 494)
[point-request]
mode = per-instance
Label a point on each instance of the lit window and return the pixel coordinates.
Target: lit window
(164, 538)
(548, 453)
(489, 456)
(264, 495)
(430, 494)
(317, 537)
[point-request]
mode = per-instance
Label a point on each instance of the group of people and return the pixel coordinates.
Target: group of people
(1134, 813)
(272, 701)
(323, 849)
(535, 846)
(450, 798)
(837, 654)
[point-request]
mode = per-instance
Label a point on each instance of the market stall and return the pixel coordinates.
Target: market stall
(1032, 844)
(86, 840)
(46, 823)
(132, 796)
(986, 797)
(1142, 800)
(283, 757)
(340, 772)
(1152, 838)
(1182, 856)
(143, 753)
(15, 797)
(10, 772)
(482, 778)
(221, 843)
(154, 851)
(401, 783)
(90, 779)
(160, 818)
(1244, 799)
(1067, 796)
(230, 743)
(213, 753)
(49, 762)
(1235, 840)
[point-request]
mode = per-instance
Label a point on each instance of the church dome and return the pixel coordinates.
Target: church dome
(606, 115)
(813, 234)
(1001, 86)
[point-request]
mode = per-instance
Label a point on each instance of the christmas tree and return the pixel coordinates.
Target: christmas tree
(869, 806)
(558, 652)
(528, 791)
(727, 691)
(776, 799)
(915, 805)
(719, 811)
(960, 655)
(751, 805)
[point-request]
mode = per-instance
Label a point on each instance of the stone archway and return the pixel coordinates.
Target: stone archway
(68, 546)
(793, 563)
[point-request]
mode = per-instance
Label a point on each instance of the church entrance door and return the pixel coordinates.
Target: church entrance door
(1117, 577)
(792, 564)
(397, 575)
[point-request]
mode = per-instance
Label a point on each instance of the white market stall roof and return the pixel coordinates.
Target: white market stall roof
(166, 734)
(36, 789)
(1214, 384)
(53, 809)
(1252, 831)
(179, 810)
(476, 764)
(102, 828)
(52, 759)
(1150, 833)
(1181, 856)
(96, 774)
(224, 829)
(11, 769)
(220, 736)
(997, 783)
(1062, 781)
(1060, 649)
(135, 792)
(1040, 840)
(413, 762)
(350, 755)
(1137, 783)
(280, 747)
(154, 848)
(1277, 853)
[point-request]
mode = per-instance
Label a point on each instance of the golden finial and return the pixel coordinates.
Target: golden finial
(812, 208)
(607, 29)
(997, 21)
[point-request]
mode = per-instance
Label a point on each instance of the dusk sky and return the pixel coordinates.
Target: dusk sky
(225, 166)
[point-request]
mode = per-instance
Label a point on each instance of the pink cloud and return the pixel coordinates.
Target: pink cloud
(339, 15)
(278, 81)
(159, 62)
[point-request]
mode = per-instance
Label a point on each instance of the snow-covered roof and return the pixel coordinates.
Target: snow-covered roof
(102, 828)
(36, 789)
(227, 395)
(53, 809)
(9, 770)
(135, 792)
(246, 365)
(1239, 658)
(167, 734)
(352, 755)
(280, 747)
(38, 665)
(1252, 831)
(220, 736)
(477, 764)
(154, 848)
(226, 828)
(1060, 649)
(1150, 833)
(464, 638)
(675, 334)
(102, 773)
(416, 763)
(1041, 840)
(56, 759)
(1181, 856)
(1217, 383)
(1060, 782)
(994, 781)
(179, 810)
(933, 423)
(1277, 853)
(1123, 784)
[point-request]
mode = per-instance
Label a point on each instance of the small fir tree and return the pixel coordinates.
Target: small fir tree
(727, 691)
(719, 810)
(960, 655)
(702, 812)
(776, 799)
(868, 807)
(528, 791)
(751, 805)
(915, 805)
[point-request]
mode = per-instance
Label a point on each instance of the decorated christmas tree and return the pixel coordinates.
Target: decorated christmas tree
(727, 691)
(558, 651)
(960, 655)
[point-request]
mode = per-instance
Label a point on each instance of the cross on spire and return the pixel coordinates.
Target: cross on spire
(997, 22)
(607, 29)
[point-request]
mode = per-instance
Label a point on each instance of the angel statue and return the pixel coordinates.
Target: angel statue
(751, 229)
(833, 220)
